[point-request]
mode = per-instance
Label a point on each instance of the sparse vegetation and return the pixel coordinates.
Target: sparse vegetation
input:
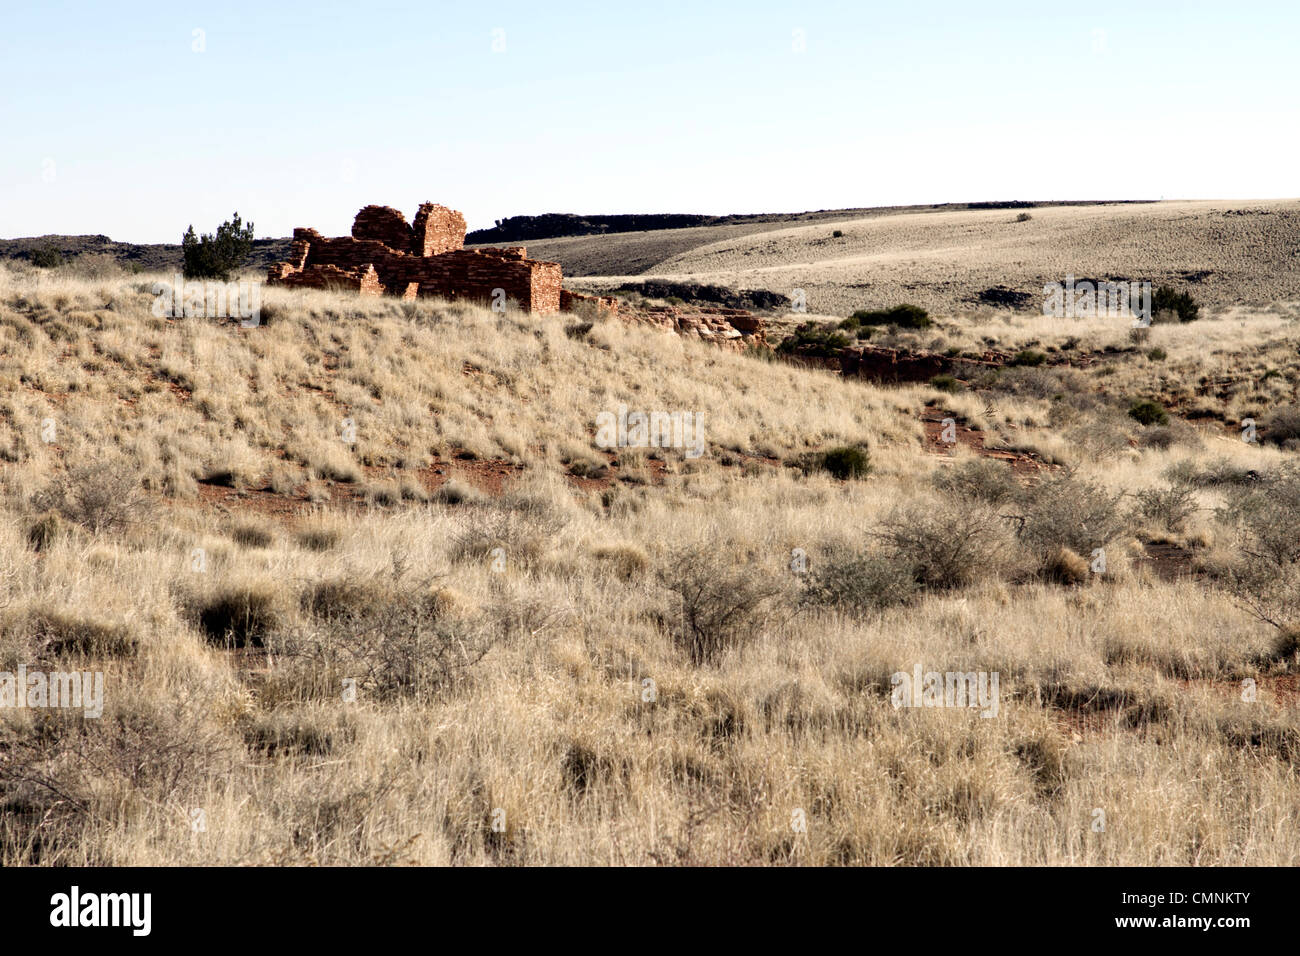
(645, 638)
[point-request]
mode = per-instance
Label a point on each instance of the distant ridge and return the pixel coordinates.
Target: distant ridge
(557, 225)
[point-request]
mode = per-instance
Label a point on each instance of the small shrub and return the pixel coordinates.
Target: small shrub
(46, 257)
(1159, 436)
(1068, 513)
(217, 256)
(849, 461)
(837, 234)
(403, 646)
(1157, 354)
(1029, 357)
(1147, 412)
(1024, 217)
(719, 603)
(522, 531)
(1168, 508)
(904, 316)
(859, 582)
(1166, 299)
(94, 265)
(944, 547)
(812, 338)
(945, 383)
(101, 496)
(980, 479)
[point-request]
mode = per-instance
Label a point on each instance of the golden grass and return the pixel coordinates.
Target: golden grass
(585, 735)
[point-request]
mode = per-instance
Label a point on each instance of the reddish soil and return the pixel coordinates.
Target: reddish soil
(1169, 561)
(1022, 463)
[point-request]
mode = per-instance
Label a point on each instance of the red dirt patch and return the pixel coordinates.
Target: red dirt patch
(1169, 561)
(932, 418)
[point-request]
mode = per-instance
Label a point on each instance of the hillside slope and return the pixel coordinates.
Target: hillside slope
(364, 589)
(1225, 252)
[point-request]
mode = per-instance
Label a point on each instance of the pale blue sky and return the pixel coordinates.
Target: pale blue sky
(300, 113)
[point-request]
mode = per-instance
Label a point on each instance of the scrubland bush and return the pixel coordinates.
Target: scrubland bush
(857, 581)
(101, 496)
(906, 316)
(395, 641)
(1147, 412)
(1028, 357)
(945, 545)
(849, 461)
(1167, 508)
(815, 339)
(1066, 512)
(1179, 305)
(719, 604)
(1265, 579)
(980, 479)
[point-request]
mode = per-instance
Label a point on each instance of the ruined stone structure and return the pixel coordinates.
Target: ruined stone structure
(386, 255)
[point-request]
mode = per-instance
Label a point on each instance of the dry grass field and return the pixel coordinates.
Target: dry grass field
(365, 589)
(1233, 252)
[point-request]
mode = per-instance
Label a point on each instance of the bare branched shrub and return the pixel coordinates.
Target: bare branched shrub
(858, 581)
(720, 604)
(945, 545)
(1167, 508)
(1069, 513)
(402, 643)
(101, 496)
(1265, 580)
(980, 479)
(60, 773)
(523, 528)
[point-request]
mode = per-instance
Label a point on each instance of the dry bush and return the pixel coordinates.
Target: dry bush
(858, 581)
(1167, 508)
(1265, 579)
(405, 645)
(61, 775)
(720, 604)
(980, 479)
(523, 528)
(945, 545)
(101, 496)
(1066, 512)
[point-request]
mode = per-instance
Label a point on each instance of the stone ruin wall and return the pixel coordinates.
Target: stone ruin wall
(426, 258)
(386, 255)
